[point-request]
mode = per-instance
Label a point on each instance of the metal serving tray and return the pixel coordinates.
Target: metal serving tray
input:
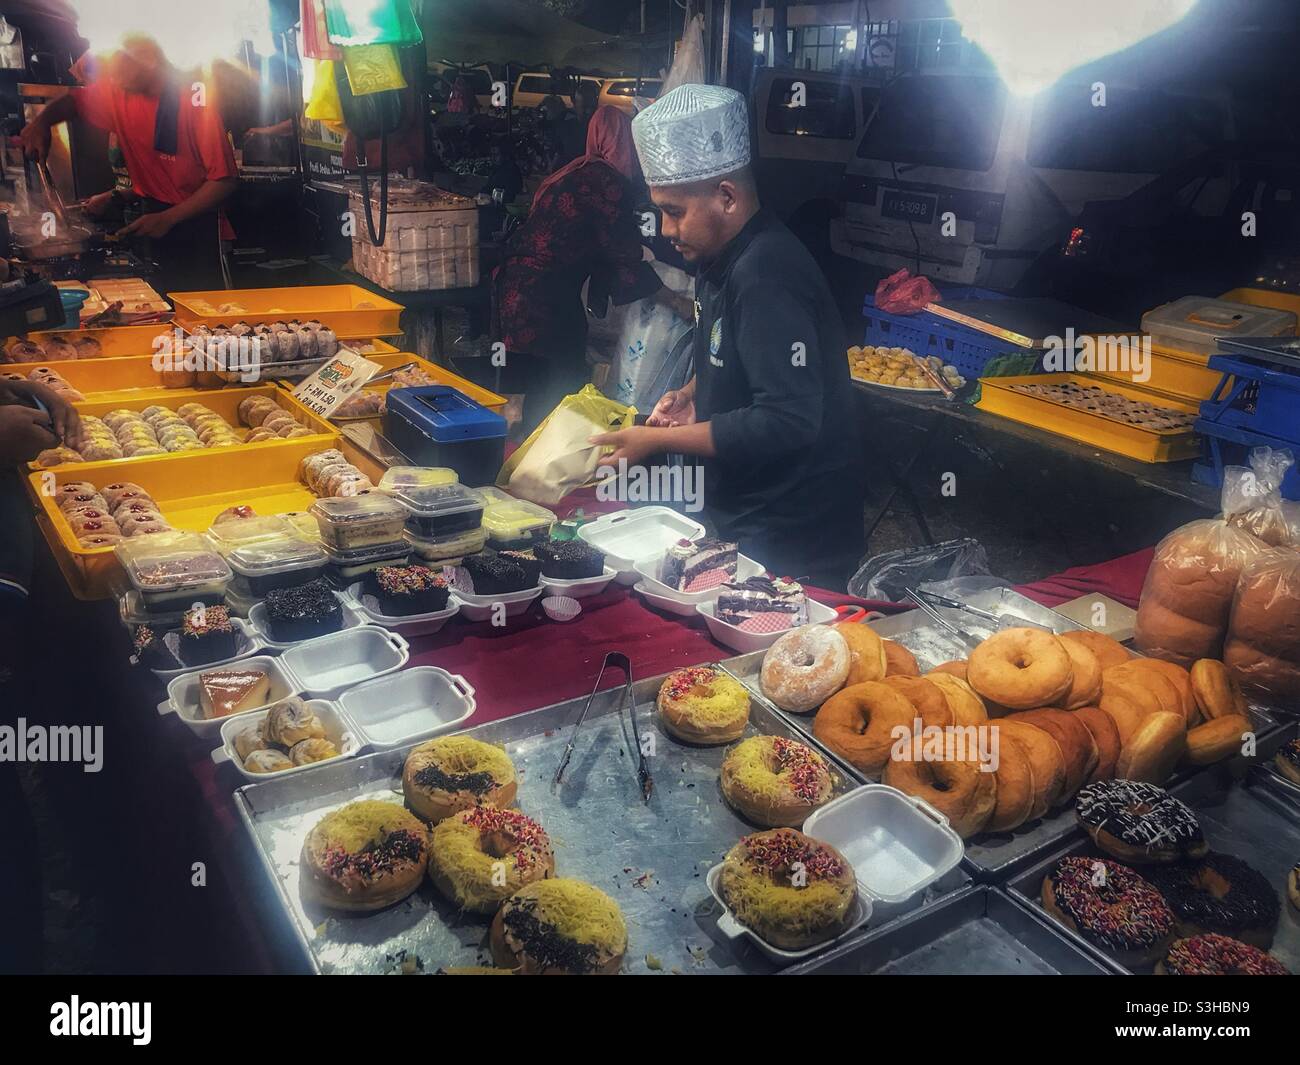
(975, 930)
(1239, 818)
(651, 859)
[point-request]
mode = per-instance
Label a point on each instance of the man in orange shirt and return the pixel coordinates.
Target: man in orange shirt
(174, 141)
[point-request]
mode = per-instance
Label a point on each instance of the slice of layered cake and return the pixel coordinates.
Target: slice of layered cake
(762, 604)
(698, 565)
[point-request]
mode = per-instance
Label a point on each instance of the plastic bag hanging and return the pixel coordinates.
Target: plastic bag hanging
(373, 68)
(357, 22)
(316, 43)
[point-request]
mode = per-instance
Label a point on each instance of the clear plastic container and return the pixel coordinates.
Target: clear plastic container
(233, 532)
(346, 566)
(351, 522)
(447, 549)
(1191, 324)
(265, 565)
(440, 510)
(401, 477)
(512, 523)
(172, 570)
(304, 525)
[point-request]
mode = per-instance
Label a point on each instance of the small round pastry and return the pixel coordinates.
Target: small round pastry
(1074, 739)
(1045, 758)
(452, 773)
(928, 700)
(1216, 690)
(1015, 791)
(1287, 761)
(479, 857)
(804, 668)
(966, 706)
(1138, 822)
(250, 739)
(1220, 894)
(365, 856)
(703, 705)
(1086, 685)
(861, 724)
(792, 890)
(304, 752)
(293, 721)
(1213, 955)
(775, 782)
(267, 761)
(957, 668)
(963, 789)
(1106, 736)
(1153, 749)
(559, 926)
(1020, 668)
(1110, 906)
(1109, 652)
(866, 652)
(899, 661)
(1217, 739)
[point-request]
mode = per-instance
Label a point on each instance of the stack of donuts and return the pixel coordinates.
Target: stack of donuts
(1038, 716)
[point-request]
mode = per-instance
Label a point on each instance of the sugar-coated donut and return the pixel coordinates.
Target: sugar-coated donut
(1106, 736)
(867, 659)
(1072, 736)
(702, 704)
(966, 705)
(804, 668)
(1086, 669)
(962, 789)
(1216, 690)
(774, 781)
(1109, 652)
(1021, 668)
(860, 724)
(1110, 906)
(1045, 758)
(1153, 749)
(1220, 893)
(899, 661)
(1015, 791)
(365, 856)
(559, 926)
(451, 773)
(1217, 739)
(479, 857)
(1214, 955)
(1139, 823)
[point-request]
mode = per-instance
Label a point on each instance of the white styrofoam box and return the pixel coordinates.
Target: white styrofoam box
(409, 706)
(579, 588)
(339, 729)
(481, 607)
(406, 624)
(649, 572)
(631, 536)
(325, 666)
(352, 618)
(672, 606)
(745, 642)
(247, 643)
(183, 694)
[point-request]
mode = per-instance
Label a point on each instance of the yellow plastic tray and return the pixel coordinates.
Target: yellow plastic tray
(350, 310)
(114, 340)
(1181, 374)
(1145, 445)
(1265, 297)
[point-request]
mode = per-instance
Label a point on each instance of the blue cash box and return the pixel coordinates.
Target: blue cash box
(435, 425)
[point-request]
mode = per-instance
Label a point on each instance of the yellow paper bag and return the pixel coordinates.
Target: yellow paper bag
(373, 68)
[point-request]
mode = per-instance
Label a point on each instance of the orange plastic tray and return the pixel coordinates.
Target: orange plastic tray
(1183, 374)
(1265, 297)
(350, 310)
(113, 340)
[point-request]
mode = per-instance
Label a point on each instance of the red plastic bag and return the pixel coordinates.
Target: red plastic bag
(315, 41)
(901, 293)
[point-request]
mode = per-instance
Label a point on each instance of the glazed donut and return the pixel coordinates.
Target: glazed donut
(1045, 758)
(928, 700)
(1151, 688)
(1015, 791)
(1216, 690)
(1074, 739)
(959, 788)
(805, 667)
(1182, 682)
(452, 773)
(1111, 906)
(860, 724)
(1109, 651)
(1123, 711)
(1220, 894)
(1020, 668)
(481, 856)
(775, 782)
(1086, 669)
(365, 856)
(703, 705)
(1153, 749)
(1217, 739)
(955, 668)
(293, 721)
(1218, 956)
(559, 926)
(1287, 761)
(1105, 735)
(1138, 822)
(966, 706)
(866, 651)
(899, 661)
(757, 885)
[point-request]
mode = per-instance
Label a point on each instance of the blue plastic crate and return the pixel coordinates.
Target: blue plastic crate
(1227, 446)
(928, 334)
(1255, 398)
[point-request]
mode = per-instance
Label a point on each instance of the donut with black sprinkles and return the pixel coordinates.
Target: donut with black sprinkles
(1110, 904)
(1215, 955)
(1220, 893)
(1139, 820)
(541, 940)
(475, 783)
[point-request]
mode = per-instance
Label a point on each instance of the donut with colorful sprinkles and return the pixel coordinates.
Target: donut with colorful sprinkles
(1111, 906)
(1215, 955)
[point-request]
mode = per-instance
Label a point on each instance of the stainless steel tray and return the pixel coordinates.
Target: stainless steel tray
(650, 858)
(976, 930)
(1237, 818)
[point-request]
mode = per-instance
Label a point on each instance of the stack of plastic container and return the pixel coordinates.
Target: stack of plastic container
(361, 533)
(444, 519)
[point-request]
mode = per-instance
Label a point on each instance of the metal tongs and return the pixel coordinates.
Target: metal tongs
(390, 373)
(52, 198)
(619, 661)
(961, 634)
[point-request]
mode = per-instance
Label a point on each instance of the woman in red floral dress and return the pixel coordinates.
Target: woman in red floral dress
(581, 226)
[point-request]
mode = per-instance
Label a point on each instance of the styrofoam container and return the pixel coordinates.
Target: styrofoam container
(406, 624)
(183, 694)
(580, 588)
(409, 706)
(730, 927)
(338, 728)
(631, 536)
(672, 606)
(648, 569)
(744, 642)
(897, 844)
(480, 607)
(352, 618)
(247, 644)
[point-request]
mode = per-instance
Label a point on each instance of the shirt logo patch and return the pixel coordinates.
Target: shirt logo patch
(715, 342)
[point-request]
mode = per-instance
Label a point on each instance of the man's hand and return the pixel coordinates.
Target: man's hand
(98, 205)
(156, 226)
(676, 408)
(24, 433)
(63, 415)
(35, 138)
(631, 445)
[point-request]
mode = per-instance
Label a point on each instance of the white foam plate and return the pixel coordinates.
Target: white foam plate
(631, 536)
(480, 607)
(672, 606)
(581, 588)
(406, 624)
(408, 706)
(183, 694)
(745, 642)
(649, 573)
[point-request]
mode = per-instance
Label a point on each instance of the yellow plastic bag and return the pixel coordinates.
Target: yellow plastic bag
(323, 101)
(373, 68)
(558, 457)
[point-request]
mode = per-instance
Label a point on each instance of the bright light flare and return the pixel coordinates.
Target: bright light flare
(1034, 42)
(191, 32)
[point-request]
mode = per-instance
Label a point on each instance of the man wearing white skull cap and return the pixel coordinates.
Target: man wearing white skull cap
(769, 406)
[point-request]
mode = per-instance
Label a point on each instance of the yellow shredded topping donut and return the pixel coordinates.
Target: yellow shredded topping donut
(365, 822)
(579, 912)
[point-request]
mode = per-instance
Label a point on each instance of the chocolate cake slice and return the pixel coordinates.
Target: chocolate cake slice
(405, 590)
(529, 562)
(207, 635)
(494, 573)
(569, 560)
(762, 604)
(697, 566)
(301, 613)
